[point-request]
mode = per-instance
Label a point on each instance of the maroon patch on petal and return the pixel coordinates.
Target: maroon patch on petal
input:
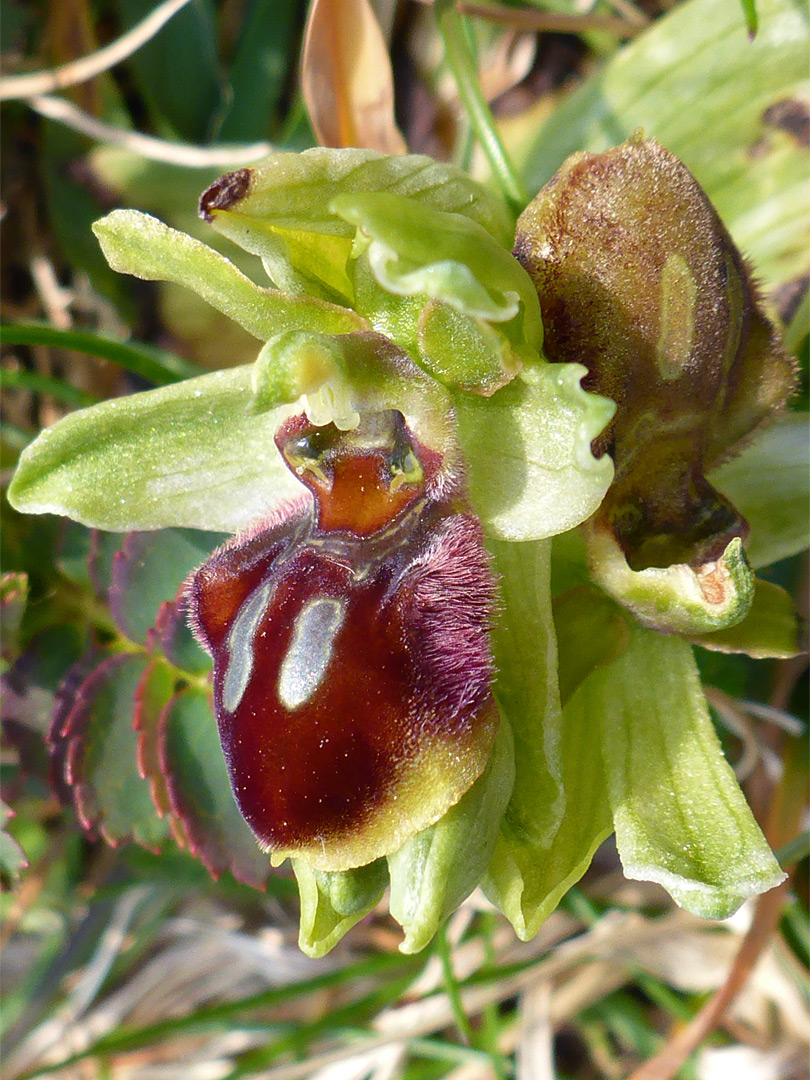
(223, 193)
(341, 660)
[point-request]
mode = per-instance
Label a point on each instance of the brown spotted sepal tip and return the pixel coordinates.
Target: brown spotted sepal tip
(350, 638)
(639, 280)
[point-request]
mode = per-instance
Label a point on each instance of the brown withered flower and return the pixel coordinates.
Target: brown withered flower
(639, 280)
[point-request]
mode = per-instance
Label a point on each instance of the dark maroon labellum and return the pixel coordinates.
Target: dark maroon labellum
(350, 637)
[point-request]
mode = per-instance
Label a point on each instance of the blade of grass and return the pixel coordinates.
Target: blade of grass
(462, 64)
(45, 384)
(155, 365)
(223, 1017)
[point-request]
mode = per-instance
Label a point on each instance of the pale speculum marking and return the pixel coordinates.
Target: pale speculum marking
(310, 651)
(240, 647)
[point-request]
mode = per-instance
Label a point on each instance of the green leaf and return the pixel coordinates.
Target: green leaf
(185, 455)
(157, 366)
(415, 249)
(440, 866)
(332, 902)
(13, 601)
(558, 813)
(281, 210)
(12, 857)
(181, 56)
(770, 629)
(200, 791)
(769, 483)
(531, 471)
(261, 65)
(679, 814)
(100, 746)
(696, 83)
(139, 244)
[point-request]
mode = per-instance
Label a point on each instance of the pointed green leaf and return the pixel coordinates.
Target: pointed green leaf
(415, 249)
(184, 455)
(440, 866)
(280, 210)
(138, 244)
(558, 812)
(679, 814)
(770, 629)
(528, 452)
(769, 483)
(720, 102)
(332, 902)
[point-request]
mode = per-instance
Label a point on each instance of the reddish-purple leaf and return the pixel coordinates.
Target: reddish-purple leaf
(148, 570)
(96, 746)
(200, 791)
(173, 634)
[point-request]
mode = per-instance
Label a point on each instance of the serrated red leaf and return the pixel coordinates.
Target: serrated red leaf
(95, 750)
(200, 791)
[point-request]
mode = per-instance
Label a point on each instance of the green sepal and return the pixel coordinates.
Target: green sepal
(679, 814)
(531, 472)
(339, 376)
(771, 628)
(558, 814)
(280, 210)
(440, 866)
(184, 455)
(769, 483)
(675, 599)
(591, 631)
(332, 902)
(138, 244)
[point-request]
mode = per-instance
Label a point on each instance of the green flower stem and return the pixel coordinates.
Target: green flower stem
(45, 384)
(157, 366)
(462, 64)
(796, 849)
(452, 987)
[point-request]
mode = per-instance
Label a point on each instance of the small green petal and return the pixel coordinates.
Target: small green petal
(138, 244)
(528, 451)
(679, 814)
(332, 902)
(188, 455)
(464, 352)
(440, 866)
(674, 599)
(415, 249)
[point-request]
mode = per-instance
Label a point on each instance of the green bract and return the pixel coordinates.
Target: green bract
(394, 288)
